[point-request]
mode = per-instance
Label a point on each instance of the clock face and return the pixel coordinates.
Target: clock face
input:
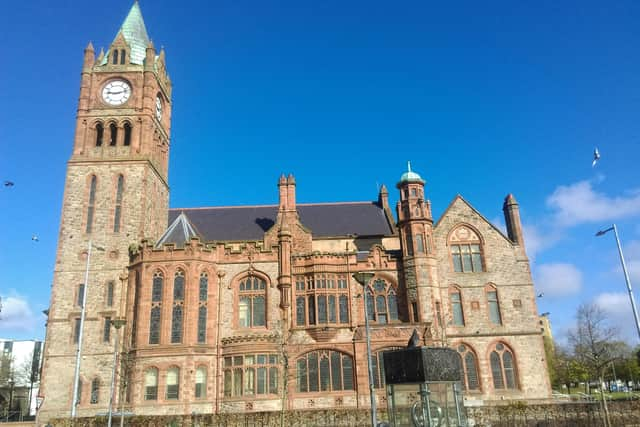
(116, 92)
(158, 108)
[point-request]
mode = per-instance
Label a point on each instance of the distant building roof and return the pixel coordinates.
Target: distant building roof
(251, 222)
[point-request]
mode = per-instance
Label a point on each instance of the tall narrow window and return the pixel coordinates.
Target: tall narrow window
(201, 383)
(122, 56)
(80, 297)
(99, 134)
(151, 384)
(503, 368)
(106, 331)
(493, 305)
(469, 367)
(420, 243)
(202, 308)
(95, 391)
(178, 305)
(92, 203)
(110, 286)
(252, 302)
(118, 206)
(79, 399)
(76, 330)
(173, 384)
(114, 56)
(113, 138)
(456, 306)
(127, 133)
(156, 308)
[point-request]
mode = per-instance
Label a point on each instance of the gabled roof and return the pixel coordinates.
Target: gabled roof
(459, 197)
(179, 231)
(135, 34)
(233, 223)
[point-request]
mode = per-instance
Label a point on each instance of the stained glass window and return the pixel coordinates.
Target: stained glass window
(202, 324)
(470, 368)
(154, 326)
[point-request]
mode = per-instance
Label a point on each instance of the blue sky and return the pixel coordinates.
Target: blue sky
(484, 99)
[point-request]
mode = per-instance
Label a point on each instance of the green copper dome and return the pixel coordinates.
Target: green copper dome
(410, 176)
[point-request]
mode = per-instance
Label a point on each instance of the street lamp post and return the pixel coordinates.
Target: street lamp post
(364, 278)
(76, 379)
(117, 323)
(626, 274)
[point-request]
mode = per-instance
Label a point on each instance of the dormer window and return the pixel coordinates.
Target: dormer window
(123, 55)
(114, 57)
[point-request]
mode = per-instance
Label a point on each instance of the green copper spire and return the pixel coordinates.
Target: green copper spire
(135, 34)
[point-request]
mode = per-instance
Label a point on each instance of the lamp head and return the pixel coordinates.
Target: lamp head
(363, 277)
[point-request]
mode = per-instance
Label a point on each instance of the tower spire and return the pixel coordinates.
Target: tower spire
(135, 34)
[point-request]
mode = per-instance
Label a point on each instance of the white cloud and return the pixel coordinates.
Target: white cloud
(536, 241)
(558, 279)
(579, 203)
(16, 315)
(617, 307)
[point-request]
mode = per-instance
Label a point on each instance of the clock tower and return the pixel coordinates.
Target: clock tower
(116, 193)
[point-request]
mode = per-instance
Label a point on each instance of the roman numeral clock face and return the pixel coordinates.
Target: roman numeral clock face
(116, 92)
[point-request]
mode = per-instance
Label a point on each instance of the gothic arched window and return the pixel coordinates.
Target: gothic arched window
(99, 134)
(202, 308)
(493, 304)
(178, 307)
(151, 384)
(466, 250)
(156, 308)
(118, 207)
(114, 56)
(92, 202)
(173, 384)
(470, 380)
(113, 138)
(122, 56)
(324, 370)
(252, 302)
(322, 299)
(127, 133)
(503, 367)
(382, 302)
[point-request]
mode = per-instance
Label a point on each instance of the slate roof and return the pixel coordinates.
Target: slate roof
(251, 222)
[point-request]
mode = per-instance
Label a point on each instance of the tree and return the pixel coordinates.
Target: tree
(595, 345)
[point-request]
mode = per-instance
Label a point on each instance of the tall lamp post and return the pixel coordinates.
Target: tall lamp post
(117, 323)
(364, 278)
(76, 378)
(626, 274)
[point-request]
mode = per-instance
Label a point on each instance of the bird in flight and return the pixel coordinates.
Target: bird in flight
(541, 294)
(8, 184)
(596, 157)
(34, 238)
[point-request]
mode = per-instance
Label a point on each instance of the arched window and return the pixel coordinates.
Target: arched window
(455, 299)
(122, 56)
(151, 384)
(470, 379)
(173, 384)
(113, 129)
(503, 368)
(324, 370)
(252, 302)
(178, 307)
(118, 207)
(114, 56)
(251, 374)
(127, 133)
(92, 203)
(156, 308)
(202, 308)
(493, 304)
(377, 365)
(201, 383)
(95, 391)
(382, 302)
(466, 254)
(322, 299)
(99, 134)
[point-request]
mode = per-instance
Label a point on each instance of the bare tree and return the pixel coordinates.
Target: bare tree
(595, 345)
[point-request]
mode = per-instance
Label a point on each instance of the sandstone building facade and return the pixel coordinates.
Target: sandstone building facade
(254, 308)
